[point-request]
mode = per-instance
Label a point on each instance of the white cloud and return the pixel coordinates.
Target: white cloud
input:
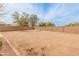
(57, 11)
(51, 13)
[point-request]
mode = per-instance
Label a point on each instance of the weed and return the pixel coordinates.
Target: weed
(1, 43)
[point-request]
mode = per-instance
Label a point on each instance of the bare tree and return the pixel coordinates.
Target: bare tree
(2, 9)
(2, 13)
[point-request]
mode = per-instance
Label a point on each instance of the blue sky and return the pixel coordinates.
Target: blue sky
(59, 13)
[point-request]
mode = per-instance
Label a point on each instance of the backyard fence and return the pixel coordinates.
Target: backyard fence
(70, 29)
(13, 28)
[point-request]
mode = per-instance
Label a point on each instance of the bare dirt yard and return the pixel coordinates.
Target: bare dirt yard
(6, 49)
(44, 42)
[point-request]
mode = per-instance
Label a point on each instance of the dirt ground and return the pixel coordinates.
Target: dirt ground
(6, 49)
(44, 42)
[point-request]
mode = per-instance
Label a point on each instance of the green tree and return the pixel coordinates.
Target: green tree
(72, 24)
(21, 20)
(42, 24)
(24, 19)
(50, 24)
(33, 20)
(46, 24)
